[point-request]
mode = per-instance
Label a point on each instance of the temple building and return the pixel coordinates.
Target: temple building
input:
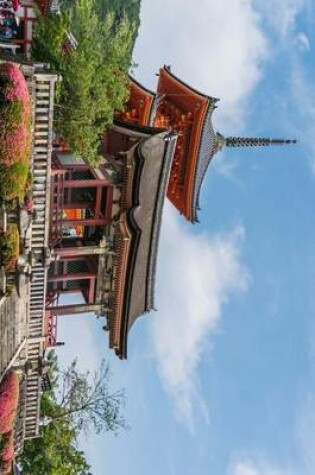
(104, 229)
(178, 107)
(93, 231)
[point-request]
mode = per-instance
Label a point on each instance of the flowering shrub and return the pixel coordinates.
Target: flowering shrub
(13, 181)
(15, 84)
(7, 453)
(9, 248)
(6, 468)
(9, 398)
(15, 137)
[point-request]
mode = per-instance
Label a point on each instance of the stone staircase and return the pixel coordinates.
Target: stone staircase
(43, 98)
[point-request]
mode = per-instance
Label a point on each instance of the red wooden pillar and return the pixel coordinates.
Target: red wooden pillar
(78, 251)
(88, 183)
(73, 276)
(79, 205)
(91, 294)
(98, 201)
(77, 167)
(83, 222)
(109, 202)
(73, 309)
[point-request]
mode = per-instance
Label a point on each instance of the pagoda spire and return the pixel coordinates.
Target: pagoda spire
(249, 141)
(255, 142)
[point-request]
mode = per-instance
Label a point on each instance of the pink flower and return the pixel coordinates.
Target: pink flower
(15, 115)
(9, 399)
(17, 88)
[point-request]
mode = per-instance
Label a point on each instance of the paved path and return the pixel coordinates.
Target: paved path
(12, 327)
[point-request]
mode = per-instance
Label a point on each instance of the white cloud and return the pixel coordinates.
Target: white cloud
(306, 432)
(197, 277)
(284, 16)
(251, 467)
(303, 42)
(216, 46)
(244, 468)
(303, 94)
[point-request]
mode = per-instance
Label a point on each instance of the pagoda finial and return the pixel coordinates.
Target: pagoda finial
(255, 142)
(249, 141)
(222, 141)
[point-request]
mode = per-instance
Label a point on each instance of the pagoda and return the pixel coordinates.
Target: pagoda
(178, 107)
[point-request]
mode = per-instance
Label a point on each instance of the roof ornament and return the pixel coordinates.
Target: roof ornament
(249, 141)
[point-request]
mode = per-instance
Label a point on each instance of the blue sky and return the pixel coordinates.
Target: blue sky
(221, 379)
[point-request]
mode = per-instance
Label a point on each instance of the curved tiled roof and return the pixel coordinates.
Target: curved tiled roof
(147, 161)
(192, 89)
(208, 146)
(144, 218)
(201, 144)
(142, 101)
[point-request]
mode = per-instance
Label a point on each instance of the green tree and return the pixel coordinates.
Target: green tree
(94, 76)
(78, 403)
(86, 401)
(55, 453)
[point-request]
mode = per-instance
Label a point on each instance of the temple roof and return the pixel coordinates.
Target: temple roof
(144, 218)
(146, 173)
(200, 145)
(141, 105)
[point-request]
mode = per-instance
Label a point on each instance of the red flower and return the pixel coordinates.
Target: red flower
(9, 399)
(17, 87)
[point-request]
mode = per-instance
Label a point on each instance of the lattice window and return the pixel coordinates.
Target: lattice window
(82, 175)
(80, 195)
(77, 266)
(75, 284)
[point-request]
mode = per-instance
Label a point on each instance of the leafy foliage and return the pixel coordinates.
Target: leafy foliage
(87, 402)
(7, 452)
(121, 9)
(94, 75)
(14, 180)
(77, 404)
(55, 453)
(9, 247)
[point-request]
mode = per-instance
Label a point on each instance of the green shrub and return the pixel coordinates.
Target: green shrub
(13, 180)
(10, 247)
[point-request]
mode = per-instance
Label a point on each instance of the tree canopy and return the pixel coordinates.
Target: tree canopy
(78, 403)
(94, 74)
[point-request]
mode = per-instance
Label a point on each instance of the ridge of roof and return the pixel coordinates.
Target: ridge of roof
(141, 86)
(185, 84)
(208, 146)
(145, 129)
